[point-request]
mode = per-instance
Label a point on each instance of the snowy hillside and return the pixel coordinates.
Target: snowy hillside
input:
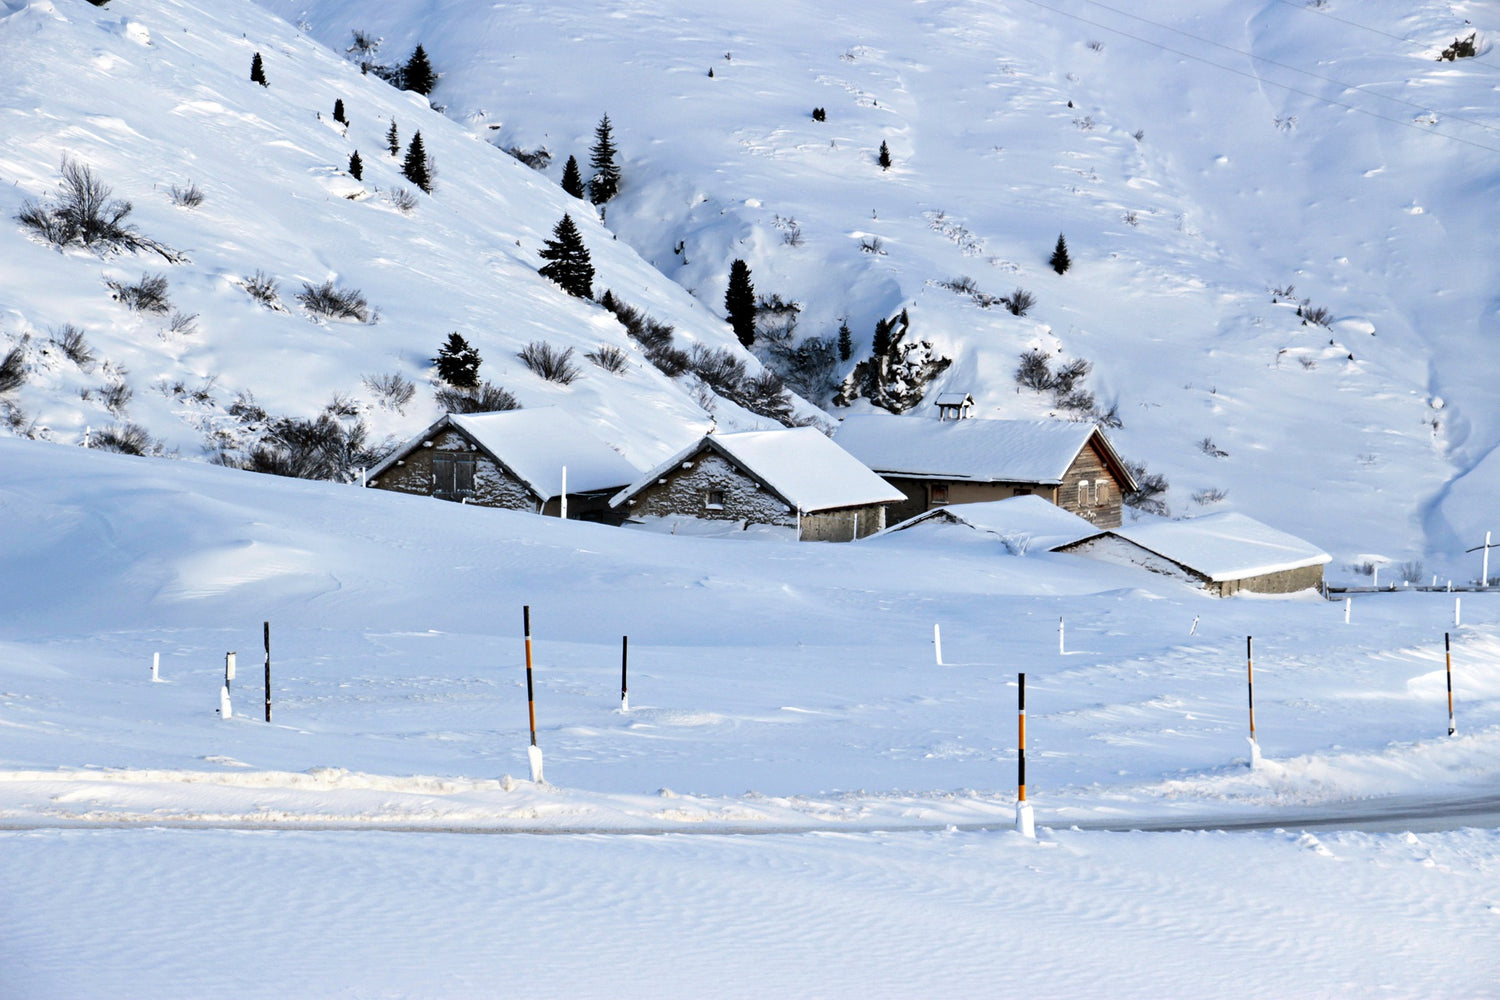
(1196, 157)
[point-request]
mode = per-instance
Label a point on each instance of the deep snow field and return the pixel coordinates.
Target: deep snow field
(382, 837)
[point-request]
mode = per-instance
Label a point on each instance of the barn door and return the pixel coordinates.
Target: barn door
(452, 476)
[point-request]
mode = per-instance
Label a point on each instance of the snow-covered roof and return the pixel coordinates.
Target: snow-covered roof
(996, 451)
(1227, 546)
(800, 465)
(536, 445)
(1025, 522)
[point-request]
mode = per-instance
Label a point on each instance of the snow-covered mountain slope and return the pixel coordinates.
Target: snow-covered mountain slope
(1196, 156)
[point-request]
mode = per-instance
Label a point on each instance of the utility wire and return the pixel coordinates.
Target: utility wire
(1312, 8)
(1272, 83)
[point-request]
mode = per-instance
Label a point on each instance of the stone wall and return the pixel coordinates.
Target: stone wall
(493, 486)
(686, 493)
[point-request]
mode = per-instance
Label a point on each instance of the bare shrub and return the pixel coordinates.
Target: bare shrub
(392, 392)
(1078, 402)
(1210, 449)
(70, 340)
(324, 447)
(718, 367)
(1068, 375)
(1209, 497)
(610, 358)
(84, 213)
(873, 244)
(654, 336)
(126, 439)
(1308, 363)
(147, 295)
(13, 370)
(334, 303)
(183, 324)
(486, 398)
(262, 288)
(1019, 302)
(963, 285)
(189, 196)
(538, 159)
(1034, 372)
(116, 396)
(1315, 315)
(548, 362)
(403, 199)
(1147, 497)
(1411, 571)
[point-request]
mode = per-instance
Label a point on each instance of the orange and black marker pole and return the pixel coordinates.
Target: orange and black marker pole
(1250, 681)
(530, 693)
(1021, 745)
(624, 665)
(1448, 655)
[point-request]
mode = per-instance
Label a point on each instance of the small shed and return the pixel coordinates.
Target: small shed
(795, 478)
(516, 459)
(1024, 524)
(1223, 553)
(954, 405)
(935, 463)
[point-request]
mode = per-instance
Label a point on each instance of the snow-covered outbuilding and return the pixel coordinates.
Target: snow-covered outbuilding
(795, 478)
(519, 459)
(935, 463)
(1223, 553)
(1024, 524)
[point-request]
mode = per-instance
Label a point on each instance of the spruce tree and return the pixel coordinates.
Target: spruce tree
(572, 182)
(881, 345)
(846, 341)
(356, 166)
(606, 181)
(414, 168)
(258, 71)
(739, 302)
(392, 139)
(417, 74)
(885, 156)
(458, 363)
(338, 111)
(568, 261)
(1059, 260)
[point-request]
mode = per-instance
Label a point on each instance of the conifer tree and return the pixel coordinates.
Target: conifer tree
(338, 111)
(1059, 260)
(606, 181)
(415, 167)
(392, 139)
(846, 341)
(739, 302)
(568, 261)
(458, 362)
(881, 345)
(885, 156)
(417, 74)
(572, 182)
(258, 71)
(356, 166)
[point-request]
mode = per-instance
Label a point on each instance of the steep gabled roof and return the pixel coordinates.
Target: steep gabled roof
(1227, 546)
(985, 451)
(1023, 523)
(801, 466)
(534, 445)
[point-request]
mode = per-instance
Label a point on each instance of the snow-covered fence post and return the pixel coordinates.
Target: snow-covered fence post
(624, 660)
(562, 510)
(1194, 629)
(937, 642)
(1025, 820)
(1061, 647)
(229, 665)
(534, 752)
(1457, 611)
(226, 708)
(155, 667)
(1250, 689)
(1448, 656)
(1484, 572)
(267, 634)
(1374, 576)
(1348, 606)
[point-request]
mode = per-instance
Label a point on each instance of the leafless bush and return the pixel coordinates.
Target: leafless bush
(1019, 302)
(1069, 374)
(147, 295)
(1209, 497)
(1210, 449)
(1078, 402)
(262, 288)
(13, 370)
(610, 358)
(1131, 218)
(792, 236)
(1307, 362)
(485, 398)
(538, 159)
(332, 302)
(403, 199)
(126, 439)
(1095, 45)
(1150, 487)
(69, 339)
(1034, 372)
(1084, 124)
(183, 324)
(873, 244)
(548, 362)
(392, 392)
(190, 196)
(1411, 571)
(1316, 315)
(116, 396)
(84, 213)
(963, 285)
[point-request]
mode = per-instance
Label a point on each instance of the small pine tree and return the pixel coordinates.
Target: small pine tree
(606, 181)
(881, 345)
(1059, 260)
(568, 261)
(393, 139)
(572, 182)
(846, 341)
(258, 71)
(356, 166)
(338, 111)
(458, 363)
(885, 156)
(739, 302)
(417, 74)
(415, 168)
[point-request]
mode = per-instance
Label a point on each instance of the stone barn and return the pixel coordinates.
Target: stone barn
(543, 460)
(796, 479)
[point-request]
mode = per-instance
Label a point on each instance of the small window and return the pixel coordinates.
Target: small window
(713, 499)
(1101, 493)
(1083, 493)
(1022, 491)
(939, 495)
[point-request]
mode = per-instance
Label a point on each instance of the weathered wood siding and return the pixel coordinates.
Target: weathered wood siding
(1089, 467)
(685, 491)
(844, 524)
(493, 485)
(919, 493)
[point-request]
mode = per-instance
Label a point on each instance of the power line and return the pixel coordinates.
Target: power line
(1272, 83)
(1315, 9)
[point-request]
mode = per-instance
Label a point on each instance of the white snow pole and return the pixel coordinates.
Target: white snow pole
(1484, 573)
(1375, 576)
(155, 667)
(937, 642)
(624, 659)
(364, 480)
(1457, 611)
(534, 752)
(226, 710)
(1061, 650)
(1348, 604)
(563, 503)
(1025, 819)
(1448, 656)
(1194, 629)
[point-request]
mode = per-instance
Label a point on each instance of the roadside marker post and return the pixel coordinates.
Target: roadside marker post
(1448, 656)
(937, 642)
(534, 752)
(267, 634)
(1025, 819)
(624, 661)
(1061, 647)
(155, 667)
(1250, 689)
